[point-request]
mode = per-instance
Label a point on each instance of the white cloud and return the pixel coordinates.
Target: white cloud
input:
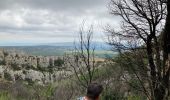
(51, 20)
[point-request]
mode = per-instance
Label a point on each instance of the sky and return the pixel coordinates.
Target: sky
(25, 22)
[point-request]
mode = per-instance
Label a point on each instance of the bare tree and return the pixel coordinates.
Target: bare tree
(143, 21)
(82, 59)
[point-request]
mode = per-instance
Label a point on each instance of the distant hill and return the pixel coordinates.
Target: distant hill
(97, 45)
(58, 49)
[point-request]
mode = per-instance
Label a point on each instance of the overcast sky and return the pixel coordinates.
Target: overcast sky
(50, 21)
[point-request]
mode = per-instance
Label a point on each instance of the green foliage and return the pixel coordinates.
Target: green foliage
(21, 91)
(132, 62)
(3, 62)
(136, 85)
(15, 66)
(59, 62)
(48, 92)
(50, 66)
(30, 82)
(42, 69)
(4, 95)
(114, 95)
(50, 69)
(28, 66)
(135, 98)
(7, 76)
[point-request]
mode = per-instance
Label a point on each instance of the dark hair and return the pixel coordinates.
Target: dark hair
(94, 90)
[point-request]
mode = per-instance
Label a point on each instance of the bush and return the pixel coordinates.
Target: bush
(112, 95)
(30, 82)
(3, 62)
(58, 62)
(24, 72)
(7, 76)
(15, 66)
(42, 69)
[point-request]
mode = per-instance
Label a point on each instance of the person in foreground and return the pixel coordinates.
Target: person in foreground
(93, 92)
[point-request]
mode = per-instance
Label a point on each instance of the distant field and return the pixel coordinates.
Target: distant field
(46, 50)
(105, 53)
(101, 53)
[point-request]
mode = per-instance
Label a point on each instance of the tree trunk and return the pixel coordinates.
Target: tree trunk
(164, 90)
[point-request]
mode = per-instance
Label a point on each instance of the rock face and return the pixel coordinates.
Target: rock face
(38, 69)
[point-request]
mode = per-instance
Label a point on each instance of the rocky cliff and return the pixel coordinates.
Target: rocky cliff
(41, 69)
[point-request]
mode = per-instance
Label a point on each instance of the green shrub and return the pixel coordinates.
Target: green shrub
(42, 69)
(58, 62)
(7, 76)
(15, 66)
(3, 62)
(24, 72)
(114, 95)
(30, 82)
(136, 97)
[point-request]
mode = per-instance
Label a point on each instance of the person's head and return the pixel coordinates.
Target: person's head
(94, 90)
